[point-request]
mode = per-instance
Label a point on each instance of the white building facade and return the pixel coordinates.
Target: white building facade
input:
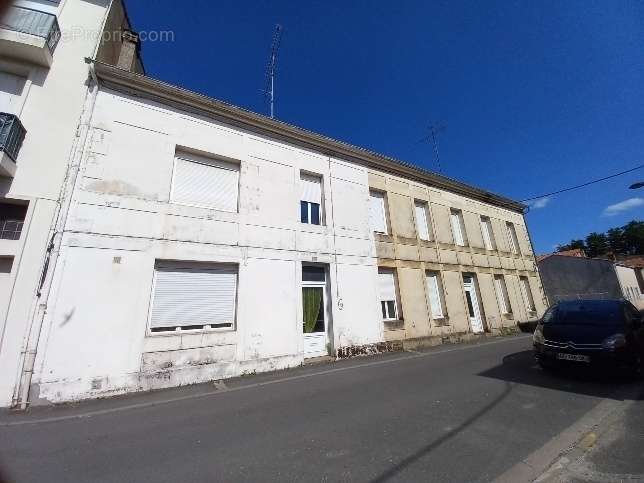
(187, 240)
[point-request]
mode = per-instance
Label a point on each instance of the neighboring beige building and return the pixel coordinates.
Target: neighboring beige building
(460, 264)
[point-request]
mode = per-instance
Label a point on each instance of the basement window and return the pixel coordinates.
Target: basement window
(193, 296)
(12, 219)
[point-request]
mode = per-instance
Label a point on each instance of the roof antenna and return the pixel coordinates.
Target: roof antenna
(434, 131)
(269, 89)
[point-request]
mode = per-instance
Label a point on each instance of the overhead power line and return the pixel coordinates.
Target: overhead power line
(583, 184)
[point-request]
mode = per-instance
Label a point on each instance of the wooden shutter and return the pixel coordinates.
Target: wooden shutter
(193, 295)
(206, 183)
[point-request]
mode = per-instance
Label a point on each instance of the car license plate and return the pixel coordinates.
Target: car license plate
(573, 357)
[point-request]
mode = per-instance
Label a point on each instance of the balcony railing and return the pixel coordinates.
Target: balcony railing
(33, 22)
(12, 133)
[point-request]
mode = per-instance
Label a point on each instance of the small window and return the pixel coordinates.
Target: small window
(488, 233)
(527, 294)
(387, 292)
(205, 182)
(513, 241)
(191, 295)
(377, 212)
(311, 199)
(12, 219)
(422, 220)
(502, 295)
(435, 295)
(6, 264)
(458, 227)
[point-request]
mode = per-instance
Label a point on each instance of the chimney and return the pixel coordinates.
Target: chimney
(129, 47)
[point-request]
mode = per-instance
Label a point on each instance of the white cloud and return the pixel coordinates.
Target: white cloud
(617, 208)
(540, 203)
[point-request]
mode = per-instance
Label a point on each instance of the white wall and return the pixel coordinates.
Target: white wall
(50, 108)
(95, 339)
(630, 287)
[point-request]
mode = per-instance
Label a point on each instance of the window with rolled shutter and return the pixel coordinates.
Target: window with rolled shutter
(387, 294)
(193, 296)
(377, 217)
(206, 183)
(311, 199)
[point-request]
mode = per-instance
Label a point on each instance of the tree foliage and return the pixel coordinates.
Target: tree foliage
(623, 240)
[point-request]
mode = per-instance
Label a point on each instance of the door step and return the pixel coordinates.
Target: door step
(318, 360)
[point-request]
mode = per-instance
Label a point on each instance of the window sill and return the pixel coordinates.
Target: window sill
(175, 333)
(383, 237)
(391, 324)
(441, 321)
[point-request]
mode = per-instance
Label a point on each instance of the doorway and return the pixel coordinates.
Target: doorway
(314, 311)
(473, 308)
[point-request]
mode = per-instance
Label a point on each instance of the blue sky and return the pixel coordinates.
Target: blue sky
(535, 96)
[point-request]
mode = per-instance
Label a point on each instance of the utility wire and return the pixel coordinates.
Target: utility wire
(584, 184)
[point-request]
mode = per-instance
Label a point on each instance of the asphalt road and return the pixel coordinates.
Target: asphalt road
(456, 413)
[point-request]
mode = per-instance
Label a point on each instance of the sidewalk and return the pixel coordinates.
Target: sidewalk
(612, 451)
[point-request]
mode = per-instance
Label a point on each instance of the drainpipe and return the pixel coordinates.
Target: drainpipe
(534, 256)
(53, 249)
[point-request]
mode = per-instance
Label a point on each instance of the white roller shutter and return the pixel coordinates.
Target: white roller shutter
(377, 212)
(422, 225)
(193, 296)
(311, 189)
(457, 229)
(206, 183)
(434, 296)
(386, 286)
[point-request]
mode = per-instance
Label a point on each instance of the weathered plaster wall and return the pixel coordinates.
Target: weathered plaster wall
(402, 249)
(51, 105)
(95, 339)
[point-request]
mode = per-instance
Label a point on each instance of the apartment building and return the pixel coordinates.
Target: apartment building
(450, 262)
(43, 95)
(193, 241)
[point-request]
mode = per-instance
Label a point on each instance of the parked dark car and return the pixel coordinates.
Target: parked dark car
(591, 333)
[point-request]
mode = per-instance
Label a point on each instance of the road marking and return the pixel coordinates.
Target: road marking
(416, 355)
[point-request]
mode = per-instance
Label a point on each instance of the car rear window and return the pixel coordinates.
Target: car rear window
(589, 313)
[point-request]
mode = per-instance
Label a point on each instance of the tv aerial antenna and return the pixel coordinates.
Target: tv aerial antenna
(269, 88)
